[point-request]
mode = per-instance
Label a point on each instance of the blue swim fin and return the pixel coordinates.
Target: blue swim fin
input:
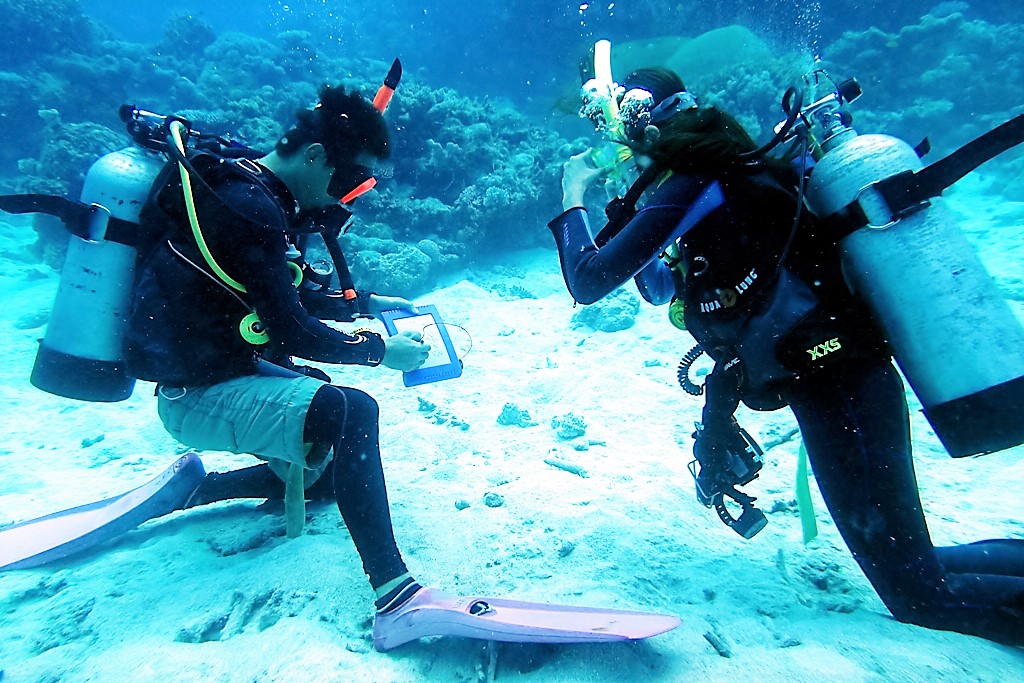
(38, 541)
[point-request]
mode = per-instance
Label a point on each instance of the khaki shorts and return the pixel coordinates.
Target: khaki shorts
(256, 414)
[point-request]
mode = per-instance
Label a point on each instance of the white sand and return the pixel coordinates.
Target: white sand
(218, 594)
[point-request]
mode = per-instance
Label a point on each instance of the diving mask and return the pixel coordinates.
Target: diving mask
(599, 100)
(633, 110)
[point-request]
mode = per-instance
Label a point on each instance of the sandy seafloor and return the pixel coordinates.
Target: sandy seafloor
(219, 594)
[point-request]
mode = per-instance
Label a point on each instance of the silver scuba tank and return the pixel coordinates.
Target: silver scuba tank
(81, 354)
(954, 337)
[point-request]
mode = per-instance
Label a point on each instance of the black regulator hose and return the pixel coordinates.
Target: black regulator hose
(683, 373)
(792, 109)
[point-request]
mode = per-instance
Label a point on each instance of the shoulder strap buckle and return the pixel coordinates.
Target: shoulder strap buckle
(249, 166)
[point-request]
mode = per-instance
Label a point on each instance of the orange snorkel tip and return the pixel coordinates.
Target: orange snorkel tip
(383, 97)
(359, 190)
(380, 102)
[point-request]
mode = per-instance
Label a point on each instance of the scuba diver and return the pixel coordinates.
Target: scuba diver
(225, 380)
(225, 295)
(216, 242)
(724, 238)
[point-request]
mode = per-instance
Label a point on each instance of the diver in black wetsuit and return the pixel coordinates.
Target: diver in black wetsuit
(217, 316)
(758, 287)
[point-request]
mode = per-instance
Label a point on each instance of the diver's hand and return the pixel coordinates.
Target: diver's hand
(728, 457)
(578, 174)
(405, 351)
(388, 303)
(714, 477)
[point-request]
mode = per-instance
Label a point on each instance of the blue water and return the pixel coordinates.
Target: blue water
(480, 126)
(522, 49)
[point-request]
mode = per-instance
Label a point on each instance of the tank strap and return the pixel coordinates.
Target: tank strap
(910, 191)
(76, 215)
(621, 210)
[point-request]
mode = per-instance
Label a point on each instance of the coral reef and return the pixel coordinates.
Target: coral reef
(615, 312)
(396, 268)
(953, 94)
(468, 171)
(42, 27)
(470, 179)
(568, 426)
(513, 415)
(186, 37)
(466, 174)
(440, 416)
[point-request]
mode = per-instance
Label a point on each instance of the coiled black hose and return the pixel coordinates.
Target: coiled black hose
(683, 372)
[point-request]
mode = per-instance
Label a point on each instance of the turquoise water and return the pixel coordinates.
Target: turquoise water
(481, 124)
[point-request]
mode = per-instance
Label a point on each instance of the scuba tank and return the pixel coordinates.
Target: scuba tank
(81, 354)
(952, 333)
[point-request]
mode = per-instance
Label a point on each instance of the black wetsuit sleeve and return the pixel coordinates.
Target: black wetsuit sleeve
(655, 283)
(258, 257)
(289, 324)
(591, 272)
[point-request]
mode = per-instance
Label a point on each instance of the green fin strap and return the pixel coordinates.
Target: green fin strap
(803, 497)
(295, 500)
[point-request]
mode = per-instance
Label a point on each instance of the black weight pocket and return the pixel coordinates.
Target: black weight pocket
(832, 333)
(754, 336)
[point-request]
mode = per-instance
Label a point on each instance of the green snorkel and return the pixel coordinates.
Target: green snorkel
(251, 327)
(600, 97)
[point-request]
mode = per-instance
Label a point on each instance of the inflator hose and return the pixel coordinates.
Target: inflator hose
(792, 110)
(178, 151)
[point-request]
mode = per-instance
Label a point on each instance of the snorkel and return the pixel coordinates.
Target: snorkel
(380, 102)
(601, 94)
(600, 105)
(387, 90)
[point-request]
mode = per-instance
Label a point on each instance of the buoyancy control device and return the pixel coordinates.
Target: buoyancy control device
(81, 355)
(952, 332)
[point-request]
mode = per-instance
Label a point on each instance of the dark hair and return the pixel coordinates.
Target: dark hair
(345, 123)
(661, 83)
(702, 140)
(705, 139)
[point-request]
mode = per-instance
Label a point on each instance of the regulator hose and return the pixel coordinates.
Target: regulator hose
(792, 109)
(683, 372)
